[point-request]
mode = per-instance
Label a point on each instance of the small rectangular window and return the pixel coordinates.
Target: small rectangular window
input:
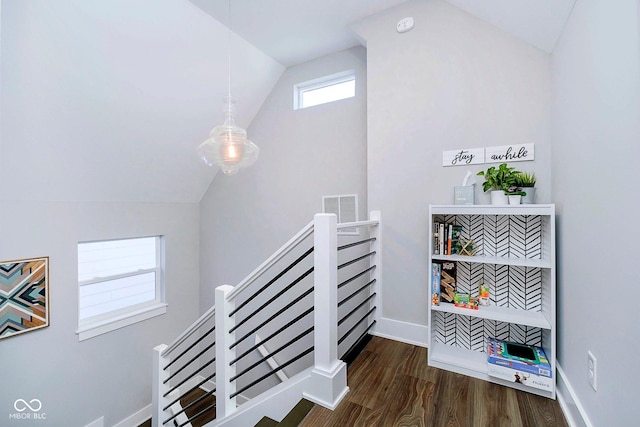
(120, 282)
(325, 89)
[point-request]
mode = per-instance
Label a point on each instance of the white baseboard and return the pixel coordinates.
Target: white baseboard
(410, 333)
(136, 419)
(571, 407)
(96, 423)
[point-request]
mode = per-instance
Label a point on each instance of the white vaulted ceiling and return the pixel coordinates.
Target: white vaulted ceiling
(538, 22)
(295, 31)
(108, 100)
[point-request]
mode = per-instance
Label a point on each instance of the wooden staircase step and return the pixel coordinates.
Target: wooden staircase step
(292, 419)
(203, 404)
(266, 422)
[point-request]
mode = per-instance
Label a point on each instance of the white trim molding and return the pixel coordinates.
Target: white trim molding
(573, 410)
(412, 333)
(93, 330)
(134, 420)
(96, 423)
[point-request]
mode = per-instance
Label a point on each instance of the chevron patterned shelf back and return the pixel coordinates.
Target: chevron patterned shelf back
(507, 236)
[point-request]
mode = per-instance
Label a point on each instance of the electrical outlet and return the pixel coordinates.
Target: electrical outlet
(591, 370)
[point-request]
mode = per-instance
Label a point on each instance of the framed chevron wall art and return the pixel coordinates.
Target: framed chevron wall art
(24, 296)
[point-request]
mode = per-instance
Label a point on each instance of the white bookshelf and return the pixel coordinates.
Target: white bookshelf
(516, 259)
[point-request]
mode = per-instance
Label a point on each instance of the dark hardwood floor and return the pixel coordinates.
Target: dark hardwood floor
(392, 386)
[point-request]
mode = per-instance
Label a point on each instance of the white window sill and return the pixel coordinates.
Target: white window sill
(85, 332)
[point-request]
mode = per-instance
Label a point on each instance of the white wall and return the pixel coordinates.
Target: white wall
(596, 130)
(305, 154)
(452, 82)
(110, 99)
(109, 375)
(79, 99)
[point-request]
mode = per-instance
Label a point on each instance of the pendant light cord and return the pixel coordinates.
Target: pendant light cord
(229, 50)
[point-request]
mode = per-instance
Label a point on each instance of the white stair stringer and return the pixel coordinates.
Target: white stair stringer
(274, 403)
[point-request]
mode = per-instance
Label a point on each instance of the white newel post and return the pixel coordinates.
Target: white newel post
(159, 388)
(376, 232)
(329, 376)
(225, 405)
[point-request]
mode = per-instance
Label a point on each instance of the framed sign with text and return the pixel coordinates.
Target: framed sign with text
(466, 156)
(510, 153)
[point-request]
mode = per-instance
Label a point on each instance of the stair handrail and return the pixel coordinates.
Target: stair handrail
(246, 282)
(190, 330)
(366, 223)
(277, 256)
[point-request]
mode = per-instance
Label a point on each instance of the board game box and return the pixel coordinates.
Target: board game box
(435, 283)
(523, 364)
(447, 281)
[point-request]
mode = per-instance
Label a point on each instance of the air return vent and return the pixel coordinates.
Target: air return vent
(346, 209)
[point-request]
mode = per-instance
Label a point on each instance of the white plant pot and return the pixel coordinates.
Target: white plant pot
(529, 198)
(499, 198)
(515, 199)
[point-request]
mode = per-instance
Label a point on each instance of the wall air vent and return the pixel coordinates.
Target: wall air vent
(346, 209)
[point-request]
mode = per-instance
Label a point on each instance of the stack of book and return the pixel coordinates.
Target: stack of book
(446, 238)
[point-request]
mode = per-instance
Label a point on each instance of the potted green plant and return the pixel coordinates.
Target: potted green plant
(498, 180)
(527, 182)
(515, 195)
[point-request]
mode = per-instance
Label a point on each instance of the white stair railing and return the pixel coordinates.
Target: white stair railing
(325, 383)
(329, 375)
(187, 364)
(225, 370)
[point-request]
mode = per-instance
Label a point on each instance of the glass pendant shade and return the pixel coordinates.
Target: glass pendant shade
(227, 146)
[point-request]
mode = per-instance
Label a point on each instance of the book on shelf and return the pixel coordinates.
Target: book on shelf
(449, 237)
(436, 238)
(456, 232)
(447, 281)
(435, 282)
(441, 239)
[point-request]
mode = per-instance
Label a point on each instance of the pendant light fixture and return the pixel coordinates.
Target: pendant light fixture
(228, 146)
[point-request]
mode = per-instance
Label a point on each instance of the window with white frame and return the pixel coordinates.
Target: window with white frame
(120, 283)
(324, 89)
